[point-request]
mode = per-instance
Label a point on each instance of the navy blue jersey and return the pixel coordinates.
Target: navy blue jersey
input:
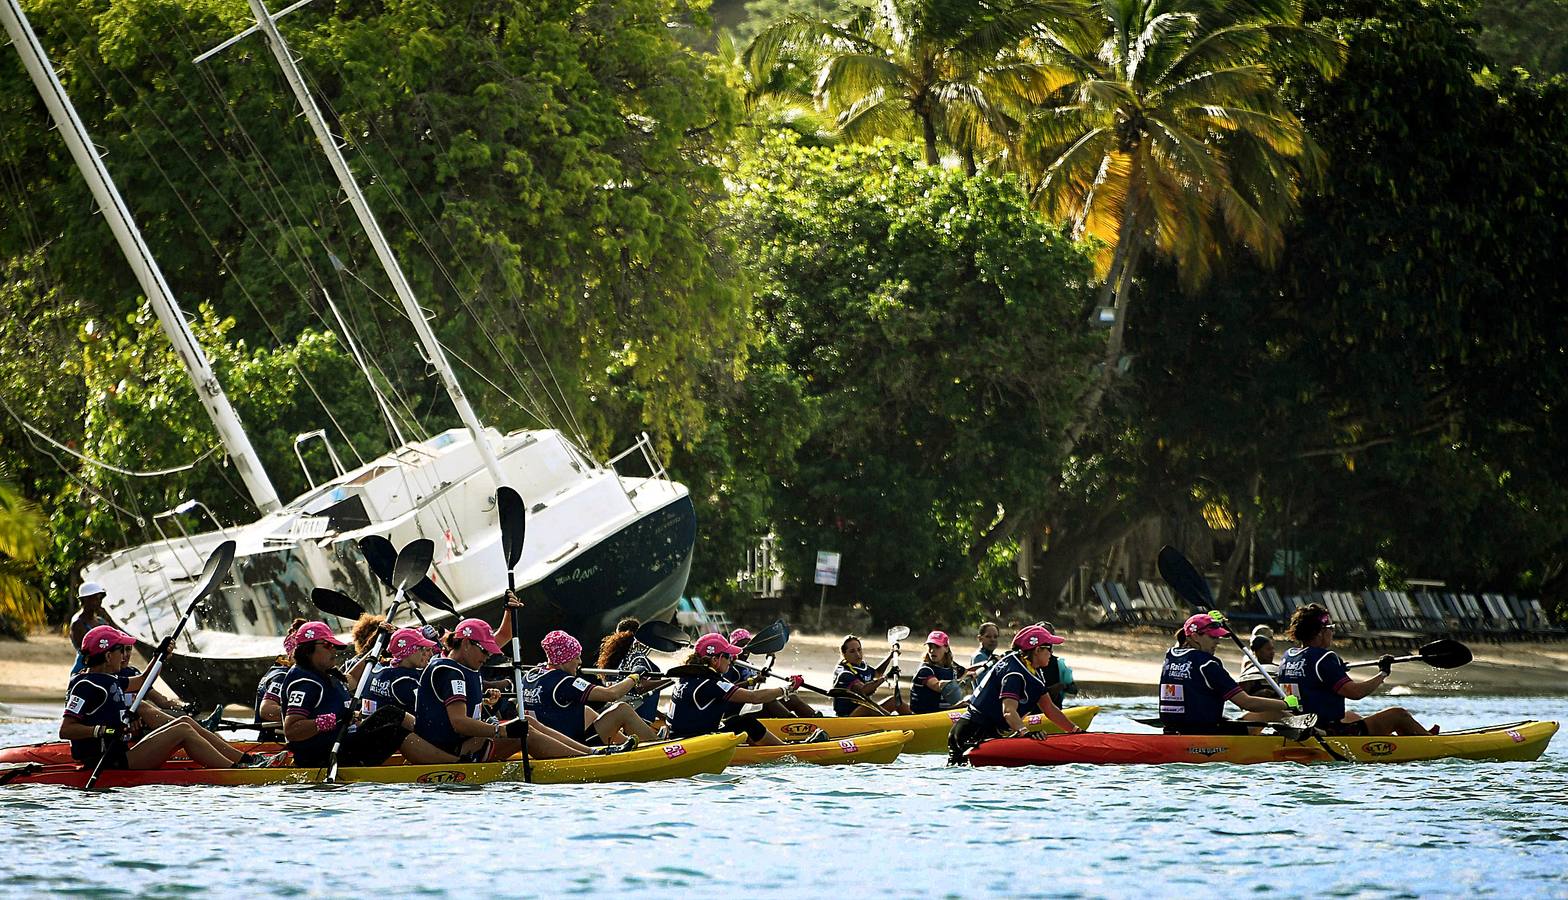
(1315, 675)
(642, 665)
(271, 685)
(699, 705)
(444, 682)
(982, 656)
(558, 698)
(1194, 687)
(309, 694)
(846, 677)
(395, 686)
(1012, 679)
(96, 699)
(921, 698)
(739, 672)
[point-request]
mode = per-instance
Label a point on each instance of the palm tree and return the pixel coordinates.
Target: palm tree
(902, 70)
(22, 541)
(1173, 133)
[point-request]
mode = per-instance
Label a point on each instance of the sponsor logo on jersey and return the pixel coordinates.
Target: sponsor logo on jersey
(1178, 670)
(1172, 691)
(76, 704)
(460, 689)
(581, 684)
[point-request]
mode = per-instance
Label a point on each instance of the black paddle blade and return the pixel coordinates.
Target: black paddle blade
(693, 671)
(1445, 654)
(413, 563)
(1179, 573)
(769, 640)
(214, 570)
(382, 557)
(336, 603)
(662, 636)
(514, 523)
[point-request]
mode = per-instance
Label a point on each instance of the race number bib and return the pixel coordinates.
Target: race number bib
(296, 698)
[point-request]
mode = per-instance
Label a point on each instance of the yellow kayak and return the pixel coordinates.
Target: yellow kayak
(876, 747)
(930, 728)
(1516, 741)
(708, 754)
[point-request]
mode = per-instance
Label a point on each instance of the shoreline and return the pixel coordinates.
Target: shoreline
(33, 673)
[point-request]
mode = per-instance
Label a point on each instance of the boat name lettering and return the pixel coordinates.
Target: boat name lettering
(798, 729)
(848, 746)
(1205, 751)
(577, 576)
(442, 778)
(674, 750)
(1377, 748)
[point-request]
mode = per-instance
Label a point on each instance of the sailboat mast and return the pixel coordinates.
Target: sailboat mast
(367, 220)
(153, 284)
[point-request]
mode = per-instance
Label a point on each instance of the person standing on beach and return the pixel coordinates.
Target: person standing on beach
(989, 633)
(92, 614)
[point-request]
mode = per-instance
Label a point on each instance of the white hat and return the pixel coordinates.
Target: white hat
(89, 589)
(1263, 631)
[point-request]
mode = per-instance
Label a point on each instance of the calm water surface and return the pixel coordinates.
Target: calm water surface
(913, 829)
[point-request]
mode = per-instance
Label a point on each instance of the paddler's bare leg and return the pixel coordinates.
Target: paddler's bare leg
(1395, 720)
(153, 750)
(619, 718)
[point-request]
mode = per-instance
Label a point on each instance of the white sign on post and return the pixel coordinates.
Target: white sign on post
(827, 568)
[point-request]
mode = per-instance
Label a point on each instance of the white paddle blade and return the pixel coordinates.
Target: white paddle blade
(897, 633)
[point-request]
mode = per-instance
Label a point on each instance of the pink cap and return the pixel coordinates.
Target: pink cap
(406, 642)
(314, 631)
(1203, 623)
(1031, 636)
(739, 635)
(478, 631)
(103, 638)
(938, 638)
(713, 644)
(560, 647)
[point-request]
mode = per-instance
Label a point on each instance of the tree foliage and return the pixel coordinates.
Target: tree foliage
(933, 321)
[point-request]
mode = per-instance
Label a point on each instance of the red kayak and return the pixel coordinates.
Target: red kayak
(55, 753)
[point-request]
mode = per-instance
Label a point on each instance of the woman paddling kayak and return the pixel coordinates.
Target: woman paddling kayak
(269, 690)
(853, 674)
(1318, 677)
(743, 674)
(936, 681)
(449, 702)
(315, 700)
(98, 702)
(1012, 689)
(702, 701)
(1194, 685)
(559, 696)
(623, 652)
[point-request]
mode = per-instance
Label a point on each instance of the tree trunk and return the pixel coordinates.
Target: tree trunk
(928, 128)
(1246, 528)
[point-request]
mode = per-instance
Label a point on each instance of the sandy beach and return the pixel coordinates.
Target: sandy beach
(1105, 663)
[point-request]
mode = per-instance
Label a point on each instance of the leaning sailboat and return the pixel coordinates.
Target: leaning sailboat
(601, 544)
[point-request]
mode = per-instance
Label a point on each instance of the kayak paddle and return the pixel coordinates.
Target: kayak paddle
(769, 641)
(336, 603)
(1179, 573)
(1439, 654)
(212, 574)
(665, 637)
(894, 635)
(412, 564)
(514, 520)
(382, 557)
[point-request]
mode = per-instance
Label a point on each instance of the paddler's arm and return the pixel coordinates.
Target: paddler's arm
(757, 695)
(73, 730)
(1052, 712)
(1259, 704)
(503, 632)
(270, 710)
(467, 726)
(1352, 689)
(602, 694)
(881, 667)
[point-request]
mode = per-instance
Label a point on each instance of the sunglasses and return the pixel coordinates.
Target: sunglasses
(722, 656)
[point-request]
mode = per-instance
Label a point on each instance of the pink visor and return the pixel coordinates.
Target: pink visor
(406, 642)
(104, 638)
(1032, 636)
(560, 648)
(315, 631)
(937, 638)
(478, 631)
(711, 645)
(1203, 623)
(739, 636)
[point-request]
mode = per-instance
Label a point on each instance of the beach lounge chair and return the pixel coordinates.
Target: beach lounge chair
(1273, 605)
(1113, 615)
(1539, 623)
(1501, 617)
(693, 615)
(1412, 615)
(1433, 611)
